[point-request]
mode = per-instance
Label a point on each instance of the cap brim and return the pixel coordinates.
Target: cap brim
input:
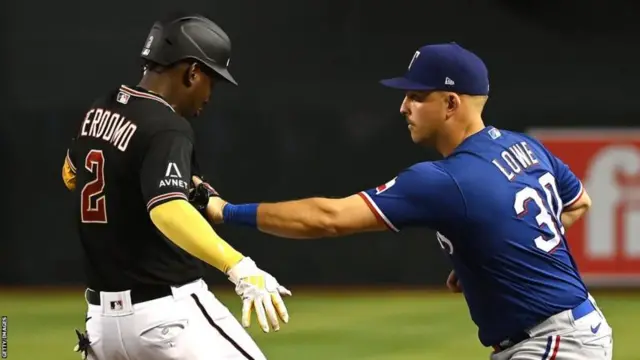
(403, 83)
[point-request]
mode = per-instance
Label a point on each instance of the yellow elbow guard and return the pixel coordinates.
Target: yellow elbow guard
(182, 224)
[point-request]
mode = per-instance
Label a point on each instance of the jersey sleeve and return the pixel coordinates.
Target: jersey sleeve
(422, 195)
(570, 187)
(166, 169)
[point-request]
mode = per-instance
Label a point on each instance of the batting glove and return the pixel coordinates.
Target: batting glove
(260, 292)
(201, 192)
(83, 345)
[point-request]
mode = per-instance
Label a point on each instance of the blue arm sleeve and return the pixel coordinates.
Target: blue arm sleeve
(569, 186)
(422, 195)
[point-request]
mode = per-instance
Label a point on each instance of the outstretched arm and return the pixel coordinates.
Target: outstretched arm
(422, 195)
(316, 217)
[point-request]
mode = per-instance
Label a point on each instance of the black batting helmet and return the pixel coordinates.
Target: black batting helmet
(185, 37)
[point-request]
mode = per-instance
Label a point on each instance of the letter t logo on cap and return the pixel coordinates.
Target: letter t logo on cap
(415, 56)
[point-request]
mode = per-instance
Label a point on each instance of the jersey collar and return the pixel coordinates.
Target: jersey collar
(489, 132)
(145, 94)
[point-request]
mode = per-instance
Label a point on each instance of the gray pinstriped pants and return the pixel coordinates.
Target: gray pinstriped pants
(561, 337)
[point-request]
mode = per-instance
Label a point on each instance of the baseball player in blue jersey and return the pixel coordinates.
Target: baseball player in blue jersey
(499, 201)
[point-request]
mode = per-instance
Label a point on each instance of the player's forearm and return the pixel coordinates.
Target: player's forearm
(575, 211)
(308, 218)
(569, 217)
(298, 219)
(182, 224)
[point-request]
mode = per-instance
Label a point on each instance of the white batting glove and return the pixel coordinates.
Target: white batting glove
(260, 291)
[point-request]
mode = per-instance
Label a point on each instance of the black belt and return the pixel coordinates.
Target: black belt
(511, 341)
(138, 295)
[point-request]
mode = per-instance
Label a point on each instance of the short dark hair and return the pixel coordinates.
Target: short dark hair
(148, 65)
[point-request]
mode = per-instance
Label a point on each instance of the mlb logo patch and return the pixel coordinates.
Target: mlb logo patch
(122, 98)
(116, 305)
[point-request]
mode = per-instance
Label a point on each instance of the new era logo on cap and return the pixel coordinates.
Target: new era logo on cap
(434, 67)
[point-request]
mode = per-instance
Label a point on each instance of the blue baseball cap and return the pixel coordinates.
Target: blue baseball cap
(444, 67)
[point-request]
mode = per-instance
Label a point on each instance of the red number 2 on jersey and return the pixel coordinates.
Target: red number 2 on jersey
(93, 202)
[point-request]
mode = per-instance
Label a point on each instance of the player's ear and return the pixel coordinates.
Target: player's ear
(191, 75)
(453, 101)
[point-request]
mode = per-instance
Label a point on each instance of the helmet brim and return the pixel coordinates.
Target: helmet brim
(223, 72)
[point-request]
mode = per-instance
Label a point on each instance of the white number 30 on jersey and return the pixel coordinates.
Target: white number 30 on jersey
(547, 215)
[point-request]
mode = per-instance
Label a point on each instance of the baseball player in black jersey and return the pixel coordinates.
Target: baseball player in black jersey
(132, 169)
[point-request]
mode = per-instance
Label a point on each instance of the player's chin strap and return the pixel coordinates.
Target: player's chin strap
(199, 195)
(83, 344)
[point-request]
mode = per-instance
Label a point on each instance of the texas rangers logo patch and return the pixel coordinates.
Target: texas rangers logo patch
(384, 187)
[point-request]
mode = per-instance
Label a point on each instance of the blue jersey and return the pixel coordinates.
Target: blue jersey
(495, 203)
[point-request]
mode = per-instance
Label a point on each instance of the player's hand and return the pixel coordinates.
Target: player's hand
(260, 292)
(83, 345)
(214, 209)
(212, 204)
(453, 283)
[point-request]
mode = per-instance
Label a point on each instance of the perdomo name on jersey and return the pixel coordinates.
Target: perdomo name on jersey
(108, 126)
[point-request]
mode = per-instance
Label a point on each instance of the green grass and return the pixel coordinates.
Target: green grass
(366, 325)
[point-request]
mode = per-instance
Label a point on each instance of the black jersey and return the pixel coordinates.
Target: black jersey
(132, 152)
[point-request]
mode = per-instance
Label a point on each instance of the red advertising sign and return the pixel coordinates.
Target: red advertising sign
(606, 241)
